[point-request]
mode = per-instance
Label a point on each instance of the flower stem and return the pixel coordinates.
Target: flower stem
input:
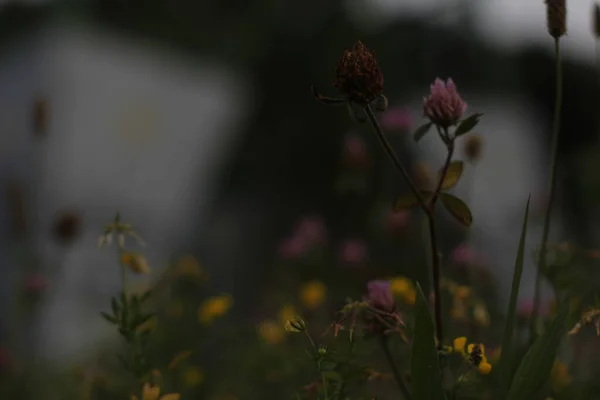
(552, 186)
(392, 155)
(388, 355)
(428, 209)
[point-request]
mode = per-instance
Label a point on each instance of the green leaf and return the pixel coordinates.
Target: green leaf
(422, 131)
(453, 174)
(409, 201)
(467, 124)
(537, 363)
(504, 368)
(108, 317)
(424, 361)
(459, 210)
(146, 295)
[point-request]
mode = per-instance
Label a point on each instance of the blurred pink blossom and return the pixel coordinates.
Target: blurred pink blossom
(464, 254)
(353, 251)
(35, 283)
(444, 105)
(312, 229)
(355, 150)
(5, 360)
(397, 119)
(293, 248)
(397, 221)
(525, 308)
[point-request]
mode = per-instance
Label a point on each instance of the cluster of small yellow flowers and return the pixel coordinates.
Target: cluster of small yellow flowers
(152, 392)
(214, 307)
(559, 375)
(403, 288)
(312, 294)
(271, 332)
(135, 262)
(474, 354)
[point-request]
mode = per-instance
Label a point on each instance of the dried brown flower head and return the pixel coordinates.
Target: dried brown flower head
(358, 76)
(556, 13)
(66, 227)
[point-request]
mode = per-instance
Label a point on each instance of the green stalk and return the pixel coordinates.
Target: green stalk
(552, 189)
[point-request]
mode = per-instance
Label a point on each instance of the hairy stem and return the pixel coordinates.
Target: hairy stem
(435, 252)
(392, 155)
(551, 195)
(397, 377)
(428, 209)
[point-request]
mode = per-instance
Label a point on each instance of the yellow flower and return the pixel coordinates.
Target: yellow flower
(312, 294)
(462, 292)
(560, 375)
(287, 312)
(404, 288)
(459, 344)
(136, 262)
(214, 307)
(193, 376)
(481, 315)
(271, 332)
(484, 368)
(189, 266)
(152, 392)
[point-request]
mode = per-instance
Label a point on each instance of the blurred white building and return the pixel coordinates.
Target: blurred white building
(131, 129)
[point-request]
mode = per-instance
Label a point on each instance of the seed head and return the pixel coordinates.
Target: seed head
(358, 76)
(380, 295)
(596, 21)
(556, 14)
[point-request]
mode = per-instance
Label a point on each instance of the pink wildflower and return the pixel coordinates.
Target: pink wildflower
(355, 151)
(312, 229)
(353, 252)
(5, 360)
(463, 254)
(379, 295)
(397, 119)
(397, 221)
(35, 283)
(444, 106)
(293, 248)
(525, 308)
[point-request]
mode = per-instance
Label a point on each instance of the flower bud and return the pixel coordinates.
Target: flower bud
(296, 325)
